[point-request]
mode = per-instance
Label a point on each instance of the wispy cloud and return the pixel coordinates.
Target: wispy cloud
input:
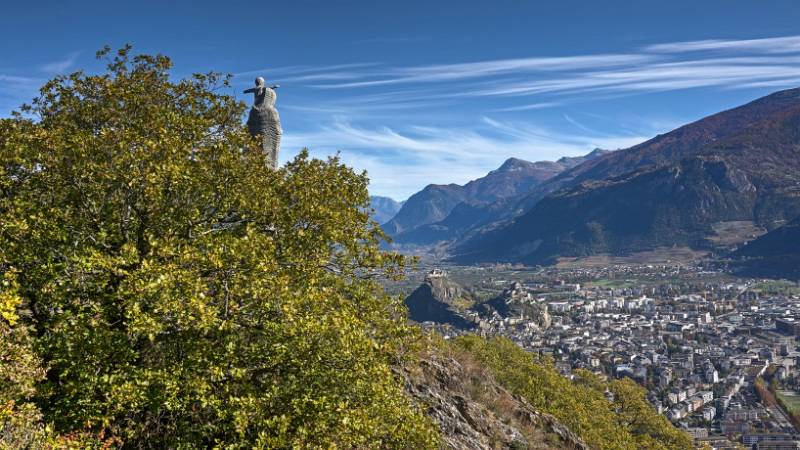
(465, 71)
(654, 78)
(579, 125)
(17, 81)
(528, 107)
(491, 98)
(787, 44)
(421, 153)
(19, 86)
(16, 89)
(60, 66)
(722, 64)
(297, 72)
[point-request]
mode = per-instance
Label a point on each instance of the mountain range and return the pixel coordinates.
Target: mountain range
(740, 166)
(382, 209)
(442, 212)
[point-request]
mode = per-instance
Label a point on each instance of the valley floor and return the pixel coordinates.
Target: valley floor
(697, 339)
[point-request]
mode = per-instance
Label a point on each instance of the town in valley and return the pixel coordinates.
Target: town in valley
(717, 354)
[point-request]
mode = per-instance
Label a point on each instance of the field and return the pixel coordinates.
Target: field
(615, 284)
(485, 282)
(658, 256)
(774, 287)
(729, 234)
(791, 400)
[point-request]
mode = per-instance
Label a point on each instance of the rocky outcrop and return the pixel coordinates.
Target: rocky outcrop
(475, 413)
(440, 300)
(517, 303)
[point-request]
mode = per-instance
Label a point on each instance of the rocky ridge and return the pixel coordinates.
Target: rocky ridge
(475, 413)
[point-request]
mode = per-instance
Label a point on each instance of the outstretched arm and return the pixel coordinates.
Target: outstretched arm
(247, 91)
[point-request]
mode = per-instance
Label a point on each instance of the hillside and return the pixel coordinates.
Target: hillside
(773, 255)
(739, 165)
(669, 148)
(431, 204)
(464, 217)
(490, 391)
(475, 412)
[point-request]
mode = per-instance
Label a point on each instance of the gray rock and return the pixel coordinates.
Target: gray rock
(516, 303)
(475, 413)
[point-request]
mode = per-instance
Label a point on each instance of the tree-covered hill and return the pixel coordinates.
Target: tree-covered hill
(164, 288)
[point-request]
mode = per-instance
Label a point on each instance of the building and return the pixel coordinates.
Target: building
(778, 445)
(787, 325)
(698, 433)
(754, 438)
(708, 414)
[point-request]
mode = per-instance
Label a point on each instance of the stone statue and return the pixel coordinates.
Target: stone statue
(264, 122)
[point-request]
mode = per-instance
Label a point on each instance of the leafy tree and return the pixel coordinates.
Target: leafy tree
(180, 293)
(20, 420)
(634, 413)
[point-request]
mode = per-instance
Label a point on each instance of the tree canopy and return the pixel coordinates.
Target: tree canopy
(162, 287)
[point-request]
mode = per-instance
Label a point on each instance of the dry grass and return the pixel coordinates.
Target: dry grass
(729, 234)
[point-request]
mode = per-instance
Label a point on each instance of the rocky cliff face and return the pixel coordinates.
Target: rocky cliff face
(475, 413)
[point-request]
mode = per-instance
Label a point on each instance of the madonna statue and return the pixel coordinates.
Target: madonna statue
(264, 123)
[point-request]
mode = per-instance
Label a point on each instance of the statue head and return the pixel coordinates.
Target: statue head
(259, 82)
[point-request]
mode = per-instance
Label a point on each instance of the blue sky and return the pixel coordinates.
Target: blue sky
(420, 92)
